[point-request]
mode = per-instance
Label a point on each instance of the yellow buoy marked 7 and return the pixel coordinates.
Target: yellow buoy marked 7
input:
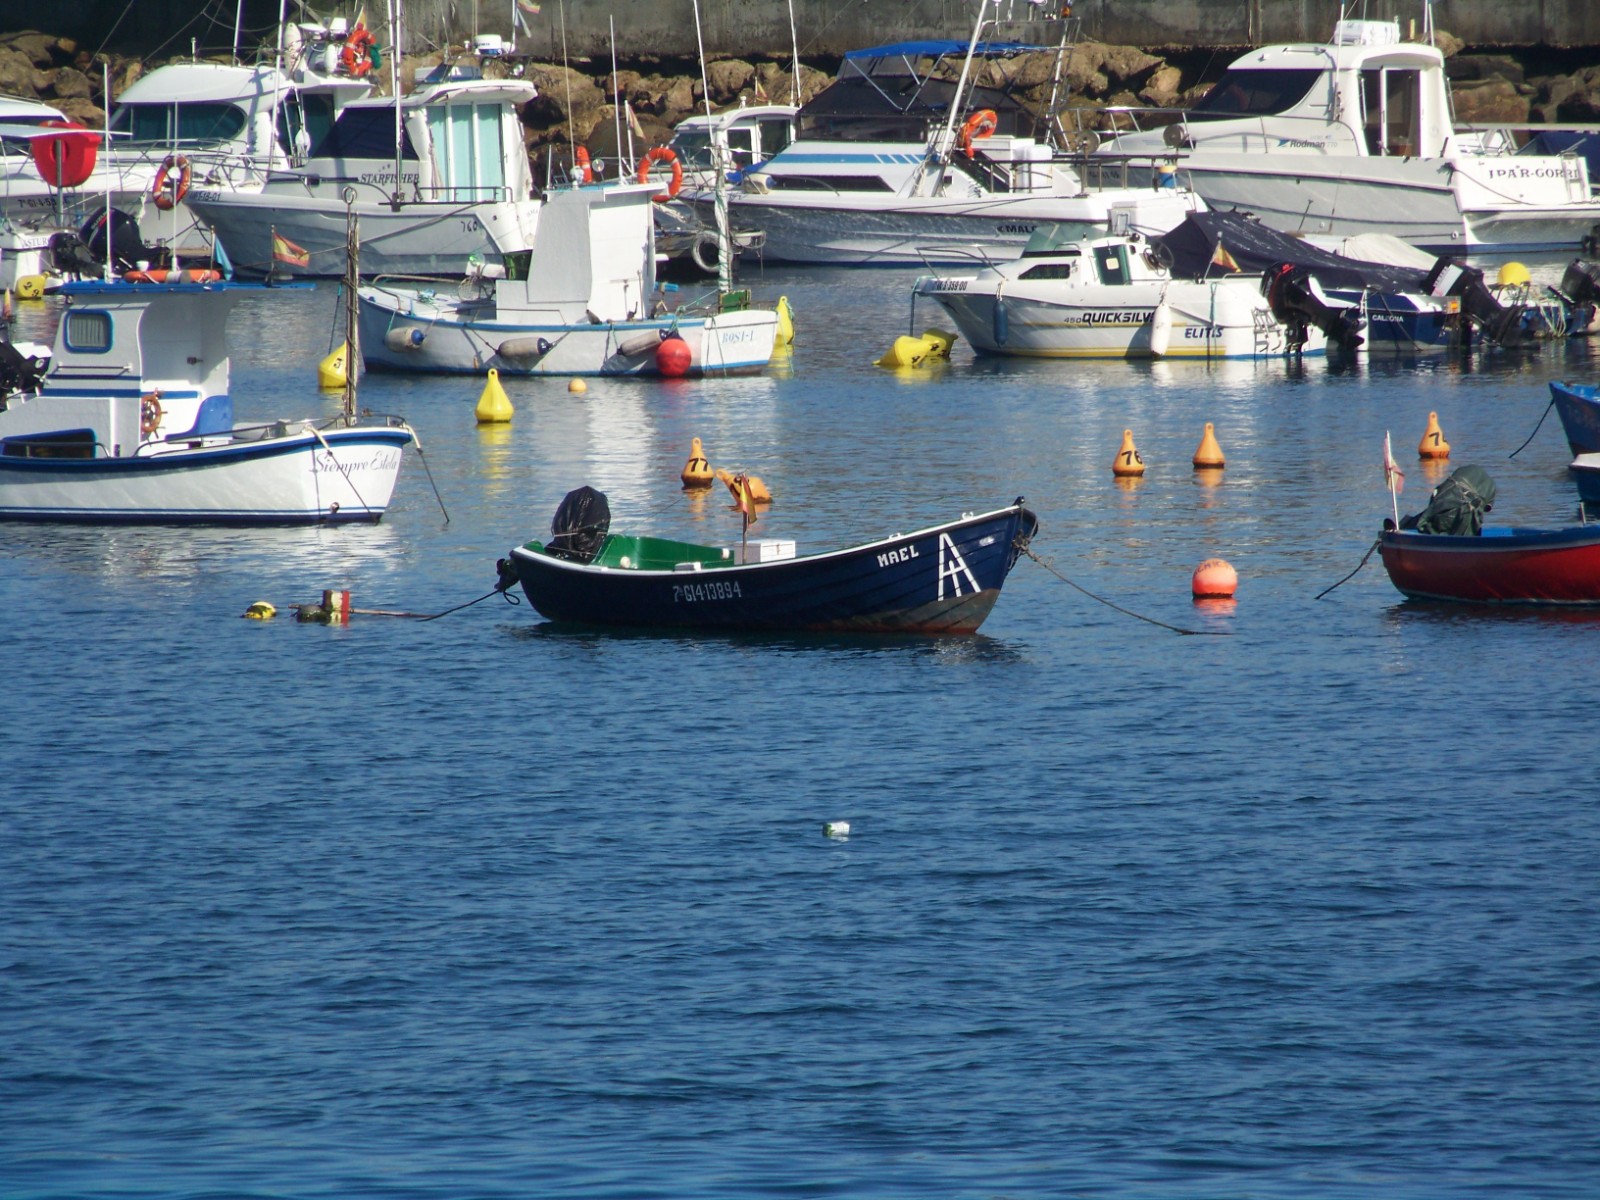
(1433, 444)
(1127, 464)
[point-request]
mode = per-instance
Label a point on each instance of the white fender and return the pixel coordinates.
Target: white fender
(1161, 329)
(639, 343)
(404, 339)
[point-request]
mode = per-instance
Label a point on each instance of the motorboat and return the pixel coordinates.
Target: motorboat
(944, 579)
(741, 139)
(1112, 297)
(436, 177)
(921, 150)
(1578, 407)
(128, 418)
(582, 300)
(192, 130)
(1355, 136)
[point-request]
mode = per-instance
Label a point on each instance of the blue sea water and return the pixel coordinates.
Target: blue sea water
(482, 908)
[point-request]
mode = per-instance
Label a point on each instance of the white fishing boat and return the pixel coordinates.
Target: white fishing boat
(1111, 297)
(1356, 136)
(436, 177)
(912, 156)
(582, 300)
(129, 418)
(192, 129)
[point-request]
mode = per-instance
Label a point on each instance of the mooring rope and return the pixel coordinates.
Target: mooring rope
(1352, 574)
(1536, 428)
(1049, 566)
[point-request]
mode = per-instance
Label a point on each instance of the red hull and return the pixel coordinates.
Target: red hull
(1502, 566)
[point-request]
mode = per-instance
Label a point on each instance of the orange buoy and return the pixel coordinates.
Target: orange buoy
(1433, 444)
(697, 471)
(1127, 463)
(1214, 579)
(759, 492)
(1209, 454)
(673, 357)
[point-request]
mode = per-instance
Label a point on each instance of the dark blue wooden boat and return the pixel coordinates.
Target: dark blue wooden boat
(1578, 406)
(941, 580)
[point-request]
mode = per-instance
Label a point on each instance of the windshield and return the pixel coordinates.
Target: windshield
(1255, 93)
(693, 149)
(167, 124)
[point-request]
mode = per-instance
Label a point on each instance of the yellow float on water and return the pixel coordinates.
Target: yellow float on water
(332, 371)
(1208, 455)
(697, 471)
(260, 611)
(1433, 444)
(1127, 464)
(30, 287)
(493, 405)
(785, 334)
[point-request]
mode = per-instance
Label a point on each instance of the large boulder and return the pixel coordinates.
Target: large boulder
(727, 77)
(17, 74)
(71, 84)
(1492, 102)
(565, 96)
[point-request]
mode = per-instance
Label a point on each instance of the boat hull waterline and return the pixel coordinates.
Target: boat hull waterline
(1499, 566)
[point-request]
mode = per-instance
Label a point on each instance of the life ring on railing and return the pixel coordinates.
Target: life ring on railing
(194, 275)
(356, 57)
(706, 252)
(169, 189)
(662, 154)
(580, 158)
(149, 413)
(979, 125)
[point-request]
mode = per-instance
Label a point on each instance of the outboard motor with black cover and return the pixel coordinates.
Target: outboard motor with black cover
(126, 242)
(1457, 505)
(1580, 290)
(1501, 324)
(579, 528)
(19, 372)
(1297, 300)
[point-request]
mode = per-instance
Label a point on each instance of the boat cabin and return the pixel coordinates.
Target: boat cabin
(752, 134)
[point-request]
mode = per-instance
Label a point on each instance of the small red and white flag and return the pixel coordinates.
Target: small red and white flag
(1393, 476)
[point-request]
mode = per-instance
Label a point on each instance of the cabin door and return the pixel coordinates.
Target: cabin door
(1392, 100)
(469, 163)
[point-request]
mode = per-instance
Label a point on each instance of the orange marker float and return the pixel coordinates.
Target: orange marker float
(1214, 579)
(1433, 444)
(1209, 455)
(1127, 464)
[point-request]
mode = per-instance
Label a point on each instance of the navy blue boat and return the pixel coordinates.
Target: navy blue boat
(1578, 406)
(941, 580)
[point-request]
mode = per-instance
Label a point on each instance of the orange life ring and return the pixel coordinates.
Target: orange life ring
(149, 413)
(167, 191)
(357, 53)
(979, 125)
(662, 154)
(580, 156)
(193, 275)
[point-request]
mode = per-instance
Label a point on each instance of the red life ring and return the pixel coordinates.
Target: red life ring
(662, 154)
(357, 53)
(580, 157)
(979, 125)
(168, 191)
(68, 160)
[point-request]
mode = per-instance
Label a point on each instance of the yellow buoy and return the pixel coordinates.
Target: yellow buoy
(30, 287)
(494, 405)
(785, 334)
(1433, 444)
(1512, 274)
(331, 371)
(260, 611)
(697, 471)
(939, 342)
(906, 352)
(577, 386)
(759, 492)
(1127, 463)
(1209, 455)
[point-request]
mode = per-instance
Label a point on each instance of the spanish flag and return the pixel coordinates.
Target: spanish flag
(1221, 258)
(744, 502)
(285, 251)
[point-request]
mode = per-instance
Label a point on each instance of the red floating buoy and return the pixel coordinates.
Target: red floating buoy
(673, 357)
(1214, 579)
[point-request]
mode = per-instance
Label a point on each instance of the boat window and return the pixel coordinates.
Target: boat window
(1050, 270)
(1113, 263)
(693, 149)
(467, 164)
(774, 137)
(1390, 98)
(1053, 239)
(192, 123)
(1255, 93)
(827, 183)
(64, 443)
(314, 114)
(88, 332)
(20, 145)
(366, 132)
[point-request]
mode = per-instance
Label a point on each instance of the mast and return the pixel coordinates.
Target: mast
(719, 164)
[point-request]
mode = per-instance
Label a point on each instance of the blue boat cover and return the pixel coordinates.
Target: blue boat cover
(940, 48)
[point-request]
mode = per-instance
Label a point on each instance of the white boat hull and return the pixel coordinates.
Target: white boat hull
(338, 475)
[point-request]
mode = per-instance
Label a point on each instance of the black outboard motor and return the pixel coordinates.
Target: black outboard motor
(1580, 292)
(126, 242)
(19, 372)
(1457, 505)
(1501, 324)
(1297, 300)
(580, 525)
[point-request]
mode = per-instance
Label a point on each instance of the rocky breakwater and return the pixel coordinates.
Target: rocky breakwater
(56, 70)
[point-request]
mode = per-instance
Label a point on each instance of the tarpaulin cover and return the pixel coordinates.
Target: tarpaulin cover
(1193, 247)
(1457, 505)
(580, 525)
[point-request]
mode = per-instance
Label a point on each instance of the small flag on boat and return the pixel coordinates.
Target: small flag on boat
(743, 501)
(759, 91)
(285, 251)
(1221, 258)
(1393, 476)
(529, 7)
(633, 121)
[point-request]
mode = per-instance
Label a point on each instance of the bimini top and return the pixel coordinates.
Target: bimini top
(937, 49)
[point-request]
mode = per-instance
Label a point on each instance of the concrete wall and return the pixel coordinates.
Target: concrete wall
(826, 28)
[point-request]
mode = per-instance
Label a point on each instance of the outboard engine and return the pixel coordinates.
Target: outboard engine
(21, 371)
(1580, 292)
(580, 525)
(1297, 299)
(1501, 324)
(126, 242)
